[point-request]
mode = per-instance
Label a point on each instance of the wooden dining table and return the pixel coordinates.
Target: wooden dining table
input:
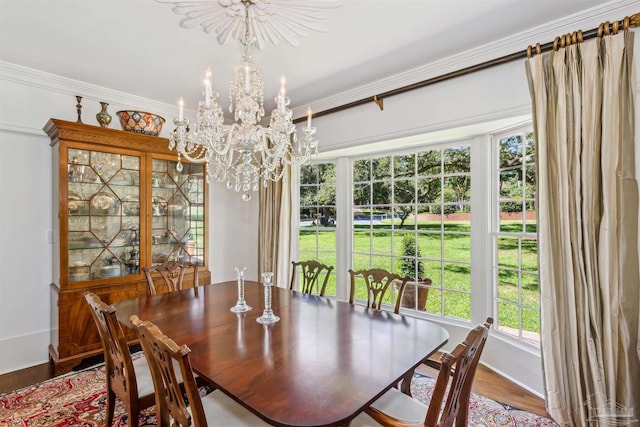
(320, 365)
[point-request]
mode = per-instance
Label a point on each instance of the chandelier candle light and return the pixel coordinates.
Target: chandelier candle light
(243, 153)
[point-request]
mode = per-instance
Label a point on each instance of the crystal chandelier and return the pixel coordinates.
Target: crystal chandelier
(244, 154)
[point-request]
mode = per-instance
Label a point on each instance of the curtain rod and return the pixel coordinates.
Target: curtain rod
(607, 27)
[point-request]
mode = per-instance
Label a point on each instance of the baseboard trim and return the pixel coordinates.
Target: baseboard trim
(24, 351)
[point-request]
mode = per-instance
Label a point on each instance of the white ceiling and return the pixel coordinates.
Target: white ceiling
(138, 46)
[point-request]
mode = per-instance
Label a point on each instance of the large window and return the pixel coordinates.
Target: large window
(316, 236)
(411, 216)
(515, 266)
(410, 212)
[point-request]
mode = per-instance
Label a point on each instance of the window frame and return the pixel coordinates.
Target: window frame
(483, 204)
(295, 222)
(495, 234)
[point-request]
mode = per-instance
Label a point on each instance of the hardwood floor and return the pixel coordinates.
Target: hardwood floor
(486, 383)
(490, 384)
(25, 377)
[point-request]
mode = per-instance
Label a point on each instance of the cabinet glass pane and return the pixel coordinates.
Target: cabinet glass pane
(177, 226)
(103, 202)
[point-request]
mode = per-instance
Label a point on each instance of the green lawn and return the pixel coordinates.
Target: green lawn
(446, 263)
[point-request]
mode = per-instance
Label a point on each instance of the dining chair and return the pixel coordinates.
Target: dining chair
(455, 378)
(163, 355)
(378, 282)
(310, 276)
(127, 379)
(173, 274)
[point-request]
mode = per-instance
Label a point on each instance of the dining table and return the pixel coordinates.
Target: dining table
(321, 364)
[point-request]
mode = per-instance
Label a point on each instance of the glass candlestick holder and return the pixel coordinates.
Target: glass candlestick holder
(241, 306)
(267, 315)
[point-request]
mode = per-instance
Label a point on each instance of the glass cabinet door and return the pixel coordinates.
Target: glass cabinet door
(177, 207)
(103, 235)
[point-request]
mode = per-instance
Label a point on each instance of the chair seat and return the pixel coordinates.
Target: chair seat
(396, 404)
(143, 377)
(222, 410)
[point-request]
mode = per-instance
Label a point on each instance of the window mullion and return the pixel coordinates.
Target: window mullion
(481, 254)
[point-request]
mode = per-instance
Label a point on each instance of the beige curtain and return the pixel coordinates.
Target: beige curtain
(274, 229)
(584, 118)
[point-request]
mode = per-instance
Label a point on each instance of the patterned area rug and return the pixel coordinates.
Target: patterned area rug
(483, 411)
(79, 399)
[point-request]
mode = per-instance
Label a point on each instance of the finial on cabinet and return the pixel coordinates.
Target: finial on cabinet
(79, 108)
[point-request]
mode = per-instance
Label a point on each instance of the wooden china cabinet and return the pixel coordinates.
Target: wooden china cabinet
(119, 204)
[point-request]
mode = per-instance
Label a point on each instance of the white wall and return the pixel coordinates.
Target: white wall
(28, 98)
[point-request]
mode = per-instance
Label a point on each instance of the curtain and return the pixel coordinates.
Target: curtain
(274, 229)
(584, 116)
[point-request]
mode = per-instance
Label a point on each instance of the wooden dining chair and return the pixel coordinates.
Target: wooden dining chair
(378, 282)
(163, 355)
(455, 378)
(310, 272)
(173, 274)
(127, 379)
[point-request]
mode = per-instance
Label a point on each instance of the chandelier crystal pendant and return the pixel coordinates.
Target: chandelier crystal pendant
(243, 154)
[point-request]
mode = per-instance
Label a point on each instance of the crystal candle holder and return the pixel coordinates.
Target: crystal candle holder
(241, 306)
(267, 315)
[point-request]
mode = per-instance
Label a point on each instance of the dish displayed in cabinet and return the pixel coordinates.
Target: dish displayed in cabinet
(124, 177)
(76, 203)
(159, 258)
(104, 203)
(131, 206)
(80, 277)
(159, 206)
(109, 271)
(161, 239)
(83, 242)
(79, 271)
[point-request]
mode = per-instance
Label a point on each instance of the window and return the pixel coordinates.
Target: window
(515, 266)
(411, 216)
(316, 235)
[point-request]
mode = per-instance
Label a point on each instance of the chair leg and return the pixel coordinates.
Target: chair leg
(463, 413)
(405, 385)
(111, 406)
(133, 410)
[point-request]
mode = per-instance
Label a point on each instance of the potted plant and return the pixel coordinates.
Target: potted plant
(412, 266)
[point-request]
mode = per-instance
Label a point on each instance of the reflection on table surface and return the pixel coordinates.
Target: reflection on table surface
(321, 364)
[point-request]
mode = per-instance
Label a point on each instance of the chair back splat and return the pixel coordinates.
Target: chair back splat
(378, 282)
(453, 387)
(459, 366)
(310, 275)
(173, 274)
(164, 357)
(128, 380)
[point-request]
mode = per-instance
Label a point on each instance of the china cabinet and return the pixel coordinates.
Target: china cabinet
(119, 204)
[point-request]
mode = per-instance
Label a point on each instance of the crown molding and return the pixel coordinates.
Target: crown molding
(8, 127)
(11, 72)
(585, 20)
